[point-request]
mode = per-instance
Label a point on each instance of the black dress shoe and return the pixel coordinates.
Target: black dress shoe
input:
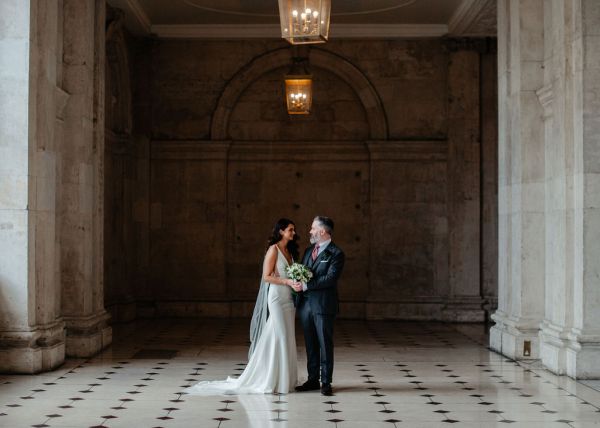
(326, 389)
(309, 385)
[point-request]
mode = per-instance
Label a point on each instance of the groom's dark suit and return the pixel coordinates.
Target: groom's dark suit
(317, 308)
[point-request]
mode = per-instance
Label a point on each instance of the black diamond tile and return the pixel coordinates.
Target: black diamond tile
(387, 411)
(225, 410)
(40, 425)
(335, 421)
(450, 421)
(109, 417)
(507, 421)
(442, 411)
(497, 412)
(118, 408)
(54, 415)
(221, 419)
(333, 411)
(166, 418)
(537, 403)
(485, 403)
(392, 421)
(13, 405)
(548, 411)
(65, 407)
(564, 421)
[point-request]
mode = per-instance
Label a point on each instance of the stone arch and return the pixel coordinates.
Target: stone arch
(279, 58)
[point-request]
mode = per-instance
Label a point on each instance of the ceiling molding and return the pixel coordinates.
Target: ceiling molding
(344, 31)
(474, 18)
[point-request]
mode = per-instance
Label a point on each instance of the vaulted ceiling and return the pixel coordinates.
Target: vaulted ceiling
(350, 18)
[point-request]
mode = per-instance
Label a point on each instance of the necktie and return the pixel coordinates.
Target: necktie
(315, 253)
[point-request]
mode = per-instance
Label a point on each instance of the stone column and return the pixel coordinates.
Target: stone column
(570, 335)
(489, 180)
(80, 205)
(465, 302)
(520, 179)
(584, 350)
(32, 335)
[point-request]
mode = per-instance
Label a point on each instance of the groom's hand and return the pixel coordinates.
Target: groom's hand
(297, 286)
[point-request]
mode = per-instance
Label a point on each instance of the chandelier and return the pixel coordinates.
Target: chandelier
(304, 21)
(298, 88)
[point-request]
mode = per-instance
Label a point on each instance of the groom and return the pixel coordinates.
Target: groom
(317, 304)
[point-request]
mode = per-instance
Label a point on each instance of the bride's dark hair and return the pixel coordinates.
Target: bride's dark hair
(275, 237)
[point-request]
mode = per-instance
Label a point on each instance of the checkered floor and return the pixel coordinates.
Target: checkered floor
(387, 374)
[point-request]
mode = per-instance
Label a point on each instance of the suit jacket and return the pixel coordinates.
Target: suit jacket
(322, 288)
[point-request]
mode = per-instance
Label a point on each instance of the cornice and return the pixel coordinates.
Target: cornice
(339, 31)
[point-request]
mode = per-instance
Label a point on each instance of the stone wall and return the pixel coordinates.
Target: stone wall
(226, 161)
(549, 82)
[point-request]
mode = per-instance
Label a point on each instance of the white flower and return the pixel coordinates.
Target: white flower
(299, 272)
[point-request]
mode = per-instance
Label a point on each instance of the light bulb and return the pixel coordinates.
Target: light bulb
(295, 13)
(308, 11)
(303, 15)
(315, 14)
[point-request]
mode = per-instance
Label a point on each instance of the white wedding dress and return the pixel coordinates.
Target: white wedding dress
(273, 366)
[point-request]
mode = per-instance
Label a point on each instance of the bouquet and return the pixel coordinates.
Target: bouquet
(298, 272)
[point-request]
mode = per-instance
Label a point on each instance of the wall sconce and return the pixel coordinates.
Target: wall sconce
(298, 88)
(304, 21)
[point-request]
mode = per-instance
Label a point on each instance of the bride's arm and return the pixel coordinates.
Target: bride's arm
(269, 269)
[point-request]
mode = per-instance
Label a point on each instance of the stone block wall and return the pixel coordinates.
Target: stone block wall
(226, 161)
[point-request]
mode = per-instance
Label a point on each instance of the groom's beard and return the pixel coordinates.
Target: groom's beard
(313, 239)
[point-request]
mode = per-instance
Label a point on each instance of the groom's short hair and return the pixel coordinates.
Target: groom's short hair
(326, 223)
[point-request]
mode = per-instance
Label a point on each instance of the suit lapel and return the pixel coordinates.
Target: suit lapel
(307, 258)
(325, 252)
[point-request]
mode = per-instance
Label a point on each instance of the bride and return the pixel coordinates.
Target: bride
(272, 360)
